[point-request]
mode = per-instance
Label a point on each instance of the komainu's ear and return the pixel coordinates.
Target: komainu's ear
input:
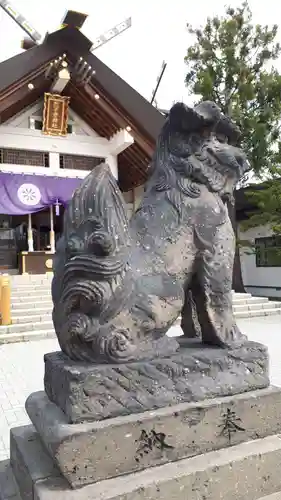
(185, 119)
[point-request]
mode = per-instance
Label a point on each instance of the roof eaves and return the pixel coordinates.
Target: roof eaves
(73, 42)
(19, 66)
(138, 108)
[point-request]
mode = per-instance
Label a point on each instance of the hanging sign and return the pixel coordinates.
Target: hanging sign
(55, 115)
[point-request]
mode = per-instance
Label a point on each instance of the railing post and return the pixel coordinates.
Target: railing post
(52, 232)
(5, 300)
(30, 234)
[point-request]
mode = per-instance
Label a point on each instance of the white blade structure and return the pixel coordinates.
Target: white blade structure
(112, 33)
(37, 38)
(20, 20)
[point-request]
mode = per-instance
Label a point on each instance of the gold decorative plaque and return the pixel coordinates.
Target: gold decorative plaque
(55, 115)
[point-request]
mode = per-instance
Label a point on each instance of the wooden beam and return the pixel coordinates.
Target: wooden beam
(90, 92)
(115, 114)
(90, 108)
(61, 81)
(94, 121)
(120, 141)
(19, 94)
(92, 103)
(128, 182)
(139, 166)
(135, 156)
(23, 82)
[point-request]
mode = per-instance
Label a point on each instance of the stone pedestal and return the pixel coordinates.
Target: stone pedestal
(87, 392)
(247, 471)
(148, 430)
(91, 452)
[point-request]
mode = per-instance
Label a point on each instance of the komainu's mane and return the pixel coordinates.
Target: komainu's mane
(181, 163)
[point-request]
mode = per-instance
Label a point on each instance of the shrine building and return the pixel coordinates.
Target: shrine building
(62, 112)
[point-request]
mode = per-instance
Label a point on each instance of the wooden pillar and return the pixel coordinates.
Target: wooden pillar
(52, 232)
(237, 278)
(112, 162)
(30, 234)
(5, 300)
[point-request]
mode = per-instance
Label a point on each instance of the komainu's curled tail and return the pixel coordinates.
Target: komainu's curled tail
(91, 265)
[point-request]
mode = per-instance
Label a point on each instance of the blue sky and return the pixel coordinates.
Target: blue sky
(158, 32)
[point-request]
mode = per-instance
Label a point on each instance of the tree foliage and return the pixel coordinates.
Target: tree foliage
(267, 199)
(231, 62)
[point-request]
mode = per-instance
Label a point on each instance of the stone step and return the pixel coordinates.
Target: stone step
(32, 318)
(35, 294)
(16, 290)
(12, 338)
(36, 315)
(30, 300)
(29, 286)
(242, 472)
(40, 295)
(45, 315)
(49, 282)
(33, 311)
(21, 305)
(28, 283)
(252, 312)
(250, 300)
(255, 307)
(41, 290)
(28, 313)
(36, 297)
(258, 313)
(27, 327)
(241, 295)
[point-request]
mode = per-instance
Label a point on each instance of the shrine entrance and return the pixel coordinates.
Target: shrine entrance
(14, 235)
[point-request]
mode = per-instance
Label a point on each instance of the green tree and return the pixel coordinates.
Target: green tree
(231, 62)
(267, 200)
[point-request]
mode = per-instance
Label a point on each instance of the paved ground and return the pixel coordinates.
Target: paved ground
(21, 371)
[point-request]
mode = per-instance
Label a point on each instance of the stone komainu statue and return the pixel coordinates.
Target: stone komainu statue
(118, 286)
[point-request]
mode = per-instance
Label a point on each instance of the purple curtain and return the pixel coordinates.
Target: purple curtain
(25, 194)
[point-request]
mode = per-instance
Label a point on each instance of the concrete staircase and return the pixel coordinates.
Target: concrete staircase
(32, 308)
(247, 306)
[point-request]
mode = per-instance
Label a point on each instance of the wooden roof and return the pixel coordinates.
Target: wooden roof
(119, 105)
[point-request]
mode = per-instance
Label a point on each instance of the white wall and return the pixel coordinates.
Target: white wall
(262, 281)
(34, 140)
(22, 120)
(133, 199)
(19, 133)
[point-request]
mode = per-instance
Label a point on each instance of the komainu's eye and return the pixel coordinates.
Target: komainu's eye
(222, 138)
